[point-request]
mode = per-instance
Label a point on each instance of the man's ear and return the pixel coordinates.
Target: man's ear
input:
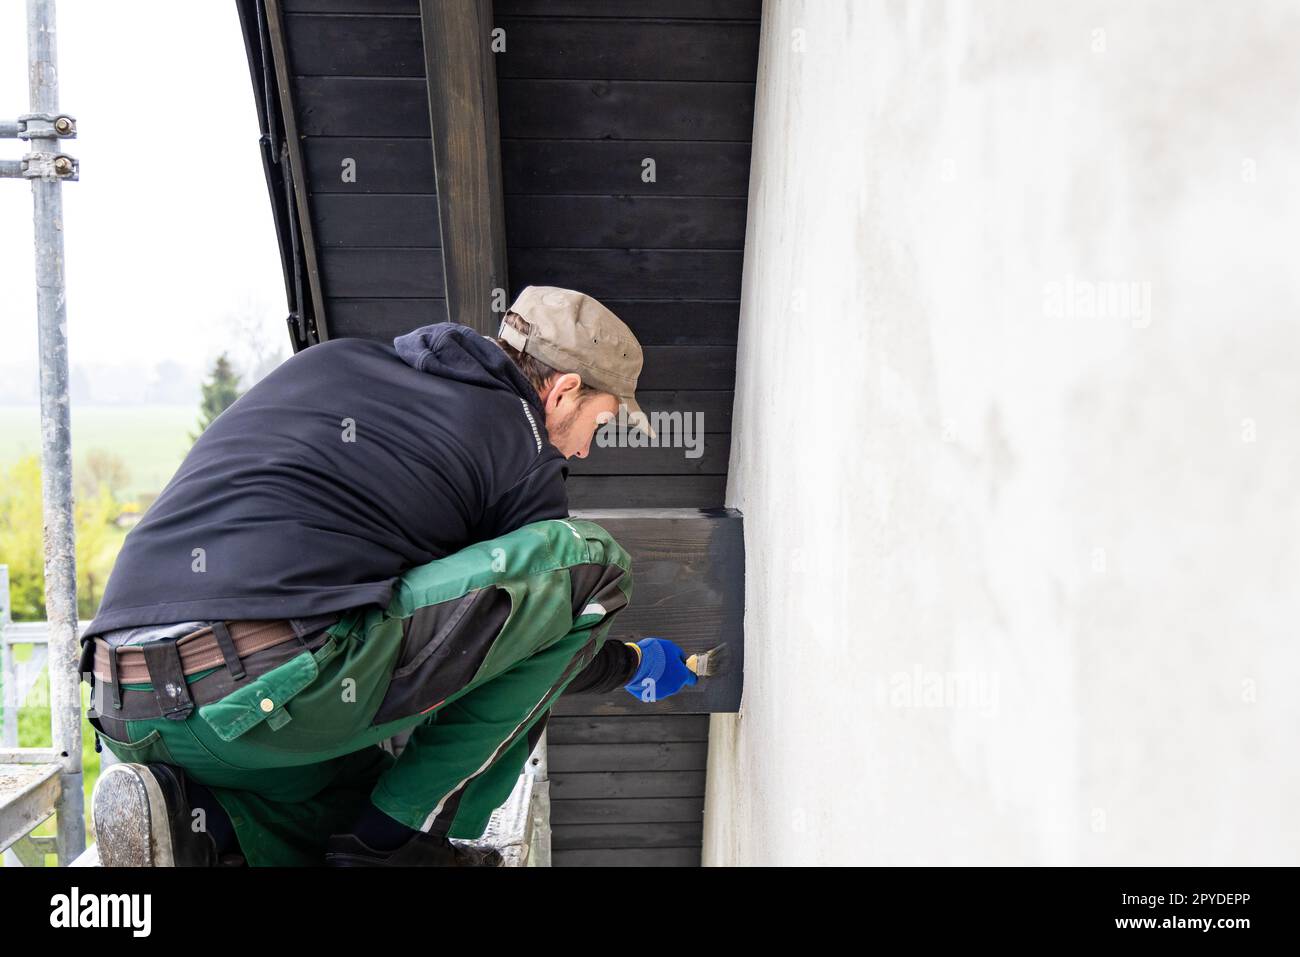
(561, 386)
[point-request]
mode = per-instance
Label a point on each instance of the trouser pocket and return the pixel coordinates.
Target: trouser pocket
(145, 749)
(312, 708)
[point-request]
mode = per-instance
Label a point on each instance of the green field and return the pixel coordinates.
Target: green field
(150, 439)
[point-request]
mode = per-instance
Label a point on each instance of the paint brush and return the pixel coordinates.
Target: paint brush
(706, 664)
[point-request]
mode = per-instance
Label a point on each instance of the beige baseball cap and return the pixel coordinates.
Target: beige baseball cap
(572, 332)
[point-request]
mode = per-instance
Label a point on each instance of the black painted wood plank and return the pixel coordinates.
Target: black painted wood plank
(613, 810)
(382, 165)
(351, 106)
(625, 109)
(628, 784)
(643, 491)
(536, 109)
(379, 220)
(530, 167)
(410, 7)
(564, 47)
(383, 320)
(680, 222)
(632, 728)
(552, 48)
(629, 857)
(688, 367)
(713, 406)
(619, 167)
(669, 460)
(668, 322)
(631, 273)
(351, 273)
(671, 756)
(701, 9)
(355, 46)
(668, 593)
(678, 834)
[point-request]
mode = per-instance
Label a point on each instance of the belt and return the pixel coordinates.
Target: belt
(247, 649)
(199, 650)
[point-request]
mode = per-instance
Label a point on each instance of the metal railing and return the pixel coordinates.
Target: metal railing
(33, 784)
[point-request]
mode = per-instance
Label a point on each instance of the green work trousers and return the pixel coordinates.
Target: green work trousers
(469, 656)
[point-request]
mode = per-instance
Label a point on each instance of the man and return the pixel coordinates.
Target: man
(373, 539)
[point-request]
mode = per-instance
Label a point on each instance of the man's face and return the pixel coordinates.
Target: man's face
(571, 422)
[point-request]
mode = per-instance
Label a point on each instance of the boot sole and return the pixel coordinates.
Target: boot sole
(132, 828)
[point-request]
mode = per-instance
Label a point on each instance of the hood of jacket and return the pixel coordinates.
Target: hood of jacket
(450, 350)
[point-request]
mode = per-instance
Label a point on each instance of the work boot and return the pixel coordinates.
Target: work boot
(141, 815)
(422, 850)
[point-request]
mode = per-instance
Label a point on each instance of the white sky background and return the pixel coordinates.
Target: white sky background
(168, 233)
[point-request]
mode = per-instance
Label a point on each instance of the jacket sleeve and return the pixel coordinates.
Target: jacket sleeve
(538, 496)
(614, 666)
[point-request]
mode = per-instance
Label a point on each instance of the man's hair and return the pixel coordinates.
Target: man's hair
(535, 370)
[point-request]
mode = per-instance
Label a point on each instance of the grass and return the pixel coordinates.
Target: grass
(150, 439)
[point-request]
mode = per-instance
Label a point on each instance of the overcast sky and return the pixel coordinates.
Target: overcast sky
(168, 232)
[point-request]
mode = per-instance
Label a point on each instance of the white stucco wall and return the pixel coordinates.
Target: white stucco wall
(952, 469)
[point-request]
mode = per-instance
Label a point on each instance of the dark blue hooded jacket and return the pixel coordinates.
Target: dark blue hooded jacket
(350, 463)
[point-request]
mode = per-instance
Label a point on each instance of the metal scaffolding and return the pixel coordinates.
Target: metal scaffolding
(50, 776)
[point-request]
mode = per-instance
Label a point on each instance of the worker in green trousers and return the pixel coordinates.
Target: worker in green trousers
(469, 686)
(373, 539)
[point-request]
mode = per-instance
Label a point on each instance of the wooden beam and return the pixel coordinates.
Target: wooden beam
(629, 857)
(460, 74)
(293, 148)
(688, 585)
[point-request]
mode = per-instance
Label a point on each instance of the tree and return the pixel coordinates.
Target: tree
(102, 468)
(219, 393)
(98, 543)
(22, 546)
